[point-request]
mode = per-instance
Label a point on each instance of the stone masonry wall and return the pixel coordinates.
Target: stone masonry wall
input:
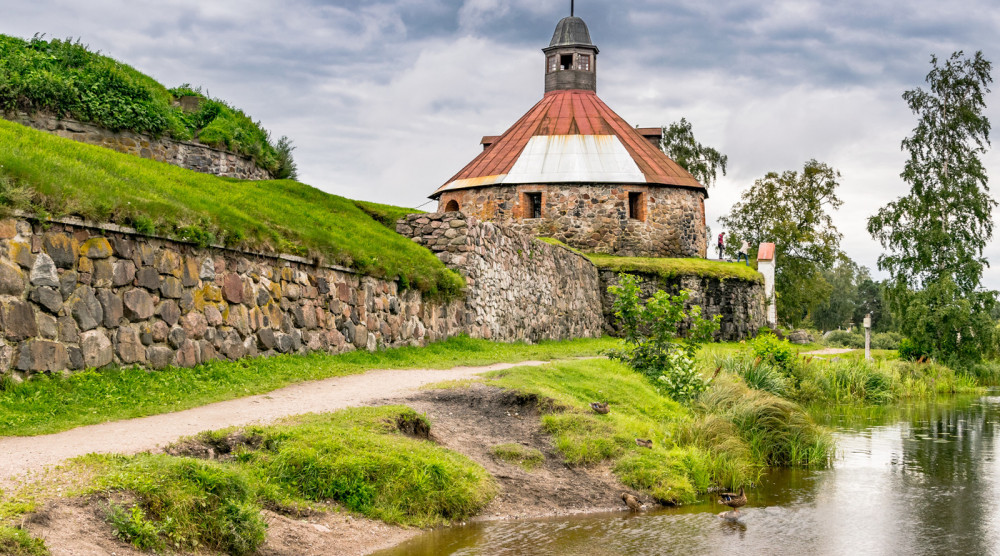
(595, 218)
(519, 288)
(741, 303)
(74, 295)
(186, 154)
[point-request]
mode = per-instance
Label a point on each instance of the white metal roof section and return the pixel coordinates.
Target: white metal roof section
(575, 158)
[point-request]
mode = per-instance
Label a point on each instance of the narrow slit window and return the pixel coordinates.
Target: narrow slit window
(565, 61)
(533, 202)
(583, 62)
(553, 64)
(635, 205)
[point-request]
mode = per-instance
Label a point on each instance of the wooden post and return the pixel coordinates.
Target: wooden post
(868, 338)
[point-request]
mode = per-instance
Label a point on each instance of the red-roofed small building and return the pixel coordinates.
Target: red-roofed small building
(573, 169)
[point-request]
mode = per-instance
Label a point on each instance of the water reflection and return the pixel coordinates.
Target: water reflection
(922, 478)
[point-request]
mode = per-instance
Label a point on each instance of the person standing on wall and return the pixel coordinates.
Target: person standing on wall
(744, 252)
(722, 244)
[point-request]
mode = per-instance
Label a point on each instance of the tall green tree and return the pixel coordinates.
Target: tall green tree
(704, 163)
(792, 210)
(838, 309)
(934, 236)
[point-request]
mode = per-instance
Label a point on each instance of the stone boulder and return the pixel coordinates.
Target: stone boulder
(800, 337)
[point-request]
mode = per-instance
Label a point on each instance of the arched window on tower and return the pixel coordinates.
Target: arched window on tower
(452, 206)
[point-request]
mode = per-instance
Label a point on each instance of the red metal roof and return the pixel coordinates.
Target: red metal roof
(765, 252)
(570, 112)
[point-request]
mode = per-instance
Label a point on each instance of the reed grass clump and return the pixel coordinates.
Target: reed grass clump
(852, 379)
(777, 431)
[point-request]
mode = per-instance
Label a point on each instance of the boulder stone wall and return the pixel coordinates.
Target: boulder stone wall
(186, 154)
(740, 302)
(75, 295)
(519, 288)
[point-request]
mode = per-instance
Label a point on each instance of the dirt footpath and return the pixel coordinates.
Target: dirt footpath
(21, 456)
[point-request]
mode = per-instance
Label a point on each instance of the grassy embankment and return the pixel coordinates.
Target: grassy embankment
(724, 440)
(359, 458)
(54, 403)
(66, 79)
(51, 176)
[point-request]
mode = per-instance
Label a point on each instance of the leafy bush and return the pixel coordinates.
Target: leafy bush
(770, 349)
(655, 344)
(886, 340)
(909, 350)
(843, 338)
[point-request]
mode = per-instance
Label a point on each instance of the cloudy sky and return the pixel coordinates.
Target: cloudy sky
(387, 99)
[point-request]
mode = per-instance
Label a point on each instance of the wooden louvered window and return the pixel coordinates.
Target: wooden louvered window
(583, 62)
(553, 64)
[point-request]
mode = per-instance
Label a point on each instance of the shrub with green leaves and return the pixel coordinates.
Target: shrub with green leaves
(886, 340)
(843, 338)
(661, 337)
(910, 350)
(770, 349)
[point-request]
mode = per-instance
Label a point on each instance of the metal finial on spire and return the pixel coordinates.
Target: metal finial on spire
(572, 7)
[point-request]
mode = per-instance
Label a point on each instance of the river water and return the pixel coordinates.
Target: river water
(922, 478)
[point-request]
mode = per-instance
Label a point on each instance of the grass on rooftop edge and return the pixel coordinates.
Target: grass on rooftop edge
(671, 268)
(51, 176)
(667, 267)
(51, 404)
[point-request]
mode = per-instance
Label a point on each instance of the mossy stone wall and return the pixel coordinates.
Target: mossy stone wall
(75, 295)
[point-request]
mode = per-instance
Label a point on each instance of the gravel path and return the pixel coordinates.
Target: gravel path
(22, 455)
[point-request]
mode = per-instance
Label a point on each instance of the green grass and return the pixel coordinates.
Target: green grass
(387, 215)
(51, 404)
(672, 268)
(52, 176)
(16, 542)
(717, 444)
(67, 79)
(524, 457)
(554, 241)
(356, 457)
(845, 378)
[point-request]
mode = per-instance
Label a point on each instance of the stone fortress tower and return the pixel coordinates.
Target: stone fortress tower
(574, 170)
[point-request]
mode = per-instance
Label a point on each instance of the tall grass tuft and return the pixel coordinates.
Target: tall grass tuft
(778, 431)
(757, 374)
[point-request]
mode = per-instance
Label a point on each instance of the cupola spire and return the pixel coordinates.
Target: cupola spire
(571, 57)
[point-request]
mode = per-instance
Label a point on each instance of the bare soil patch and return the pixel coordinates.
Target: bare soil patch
(473, 420)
